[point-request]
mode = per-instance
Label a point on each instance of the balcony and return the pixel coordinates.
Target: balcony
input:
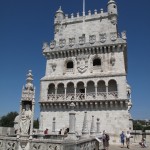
(83, 96)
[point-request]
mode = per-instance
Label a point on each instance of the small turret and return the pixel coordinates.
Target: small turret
(112, 11)
(59, 16)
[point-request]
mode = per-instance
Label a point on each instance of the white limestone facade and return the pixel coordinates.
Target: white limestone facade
(86, 65)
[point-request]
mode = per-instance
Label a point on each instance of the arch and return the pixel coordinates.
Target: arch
(101, 86)
(90, 87)
(51, 88)
(112, 86)
(60, 88)
(70, 87)
(80, 87)
(96, 61)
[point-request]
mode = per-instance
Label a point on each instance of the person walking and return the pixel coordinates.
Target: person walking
(122, 139)
(105, 138)
(128, 136)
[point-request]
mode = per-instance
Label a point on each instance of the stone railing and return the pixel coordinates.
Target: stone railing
(83, 96)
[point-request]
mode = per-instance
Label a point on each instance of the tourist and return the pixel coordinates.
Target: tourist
(46, 131)
(143, 143)
(105, 138)
(122, 138)
(128, 136)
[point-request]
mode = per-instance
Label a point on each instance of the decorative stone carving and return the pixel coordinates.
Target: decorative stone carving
(123, 35)
(51, 147)
(85, 130)
(103, 37)
(92, 39)
(52, 44)
(82, 63)
(71, 42)
(53, 65)
(11, 146)
(36, 146)
(62, 43)
(112, 60)
(45, 46)
(16, 124)
(82, 40)
(113, 36)
(25, 120)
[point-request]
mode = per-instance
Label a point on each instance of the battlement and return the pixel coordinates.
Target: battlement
(90, 16)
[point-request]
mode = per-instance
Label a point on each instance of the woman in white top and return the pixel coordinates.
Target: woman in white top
(128, 136)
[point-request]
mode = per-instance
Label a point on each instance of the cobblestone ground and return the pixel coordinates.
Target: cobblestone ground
(132, 147)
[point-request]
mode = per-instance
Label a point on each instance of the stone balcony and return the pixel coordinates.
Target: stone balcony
(83, 96)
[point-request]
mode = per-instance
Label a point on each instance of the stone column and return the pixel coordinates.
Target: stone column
(65, 92)
(85, 92)
(72, 120)
(92, 130)
(54, 124)
(75, 92)
(96, 91)
(98, 126)
(107, 91)
(55, 93)
(85, 131)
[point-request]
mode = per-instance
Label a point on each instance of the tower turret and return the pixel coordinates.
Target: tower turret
(112, 11)
(59, 16)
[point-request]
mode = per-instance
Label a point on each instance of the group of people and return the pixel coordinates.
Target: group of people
(126, 137)
(123, 138)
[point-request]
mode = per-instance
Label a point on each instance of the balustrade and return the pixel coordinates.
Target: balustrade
(82, 96)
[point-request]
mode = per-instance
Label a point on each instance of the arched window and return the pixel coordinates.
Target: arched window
(51, 89)
(69, 65)
(112, 86)
(97, 62)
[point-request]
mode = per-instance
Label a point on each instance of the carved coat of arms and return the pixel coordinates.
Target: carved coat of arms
(102, 37)
(82, 63)
(71, 41)
(92, 39)
(113, 36)
(62, 43)
(52, 44)
(82, 40)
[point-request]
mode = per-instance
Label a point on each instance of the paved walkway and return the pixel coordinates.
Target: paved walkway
(132, 147)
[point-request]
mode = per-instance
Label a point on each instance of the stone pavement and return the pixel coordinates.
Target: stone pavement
(132, 147)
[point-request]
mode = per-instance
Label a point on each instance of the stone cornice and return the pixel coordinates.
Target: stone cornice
(79, 77)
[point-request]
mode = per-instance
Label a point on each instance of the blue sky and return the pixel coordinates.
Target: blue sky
(26, 24)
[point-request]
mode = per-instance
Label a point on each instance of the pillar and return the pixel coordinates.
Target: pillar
(55, 93)
(92, 130)
(85, 131)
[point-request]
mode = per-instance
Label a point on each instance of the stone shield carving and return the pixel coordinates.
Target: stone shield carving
(113, 36)
(82, 63)
(52, 44)
(82, 40)
(71, 42)
(92, 39)
(62, 43)
(102, 37)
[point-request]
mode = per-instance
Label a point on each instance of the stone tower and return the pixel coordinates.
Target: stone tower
(87, 65)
